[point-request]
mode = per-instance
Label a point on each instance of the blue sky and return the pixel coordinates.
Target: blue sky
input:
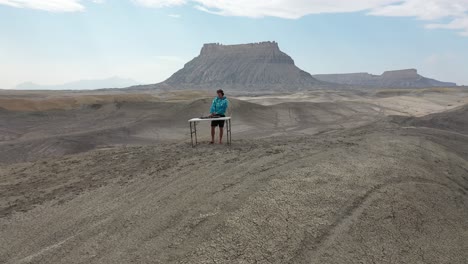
(58, 41)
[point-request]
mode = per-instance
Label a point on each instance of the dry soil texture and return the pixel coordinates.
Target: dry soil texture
(310, 182)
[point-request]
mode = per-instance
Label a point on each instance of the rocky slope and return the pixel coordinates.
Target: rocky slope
(257, 66)
(455, 120)
(375, 194)
(304, 182)
(32, 135)
(390, 79)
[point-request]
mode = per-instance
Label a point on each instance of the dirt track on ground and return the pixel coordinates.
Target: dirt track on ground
(380, 194)
(373, 192)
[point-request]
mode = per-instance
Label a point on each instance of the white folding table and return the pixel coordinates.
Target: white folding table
(193, 128)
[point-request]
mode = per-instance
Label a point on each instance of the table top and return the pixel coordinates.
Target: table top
(209, 119)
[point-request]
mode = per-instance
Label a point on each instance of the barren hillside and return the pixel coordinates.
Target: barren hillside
(329, 179)
(245, 67)
(377, 193)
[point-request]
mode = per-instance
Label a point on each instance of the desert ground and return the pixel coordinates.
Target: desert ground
(326, 176)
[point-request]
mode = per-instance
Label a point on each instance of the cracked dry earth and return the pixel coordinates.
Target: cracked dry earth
(375, 194)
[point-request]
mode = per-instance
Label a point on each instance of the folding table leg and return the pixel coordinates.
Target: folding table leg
(195, 126)
(191, 134)
(229, 135)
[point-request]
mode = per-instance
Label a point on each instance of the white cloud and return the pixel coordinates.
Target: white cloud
(291, 9)
(424, 9)
(457, 24)
(174, 15)
(160, 3)
(455, 11)
(49, 5)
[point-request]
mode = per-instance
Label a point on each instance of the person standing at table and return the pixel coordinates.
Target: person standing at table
(218, 109)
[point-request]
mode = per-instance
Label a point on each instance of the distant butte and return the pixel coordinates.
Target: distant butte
(408, 78)
(255, 66)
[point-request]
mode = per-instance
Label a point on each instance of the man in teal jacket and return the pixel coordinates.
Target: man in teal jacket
(218, 109)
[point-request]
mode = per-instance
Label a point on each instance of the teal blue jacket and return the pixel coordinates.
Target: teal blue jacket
(219, 106)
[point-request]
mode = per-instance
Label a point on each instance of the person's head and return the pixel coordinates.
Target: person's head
(220, 93)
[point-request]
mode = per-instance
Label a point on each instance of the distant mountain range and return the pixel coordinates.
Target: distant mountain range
(390, 79)
(113, 82)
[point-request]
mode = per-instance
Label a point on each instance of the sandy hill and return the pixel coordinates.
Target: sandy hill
(374, 194)
(329, 179)
(390, 79)
(257, 66)
(40, 125)
(29, 135)
(454, 120)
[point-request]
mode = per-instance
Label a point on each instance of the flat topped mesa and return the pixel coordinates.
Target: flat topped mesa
(211, 48)
(407, 78)
(254, 66)
(263, 44)
(402, 74)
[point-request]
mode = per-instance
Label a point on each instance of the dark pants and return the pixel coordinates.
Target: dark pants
(219, 123)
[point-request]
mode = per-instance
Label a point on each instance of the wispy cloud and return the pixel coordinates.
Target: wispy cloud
(160, 3)
(432, 11)
(455, 11)
(174, 15)
(424, 9)
(290, 9)
(49, 5)
(456, 24)
(46, 5)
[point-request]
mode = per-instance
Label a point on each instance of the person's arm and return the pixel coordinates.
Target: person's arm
(213, 108)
